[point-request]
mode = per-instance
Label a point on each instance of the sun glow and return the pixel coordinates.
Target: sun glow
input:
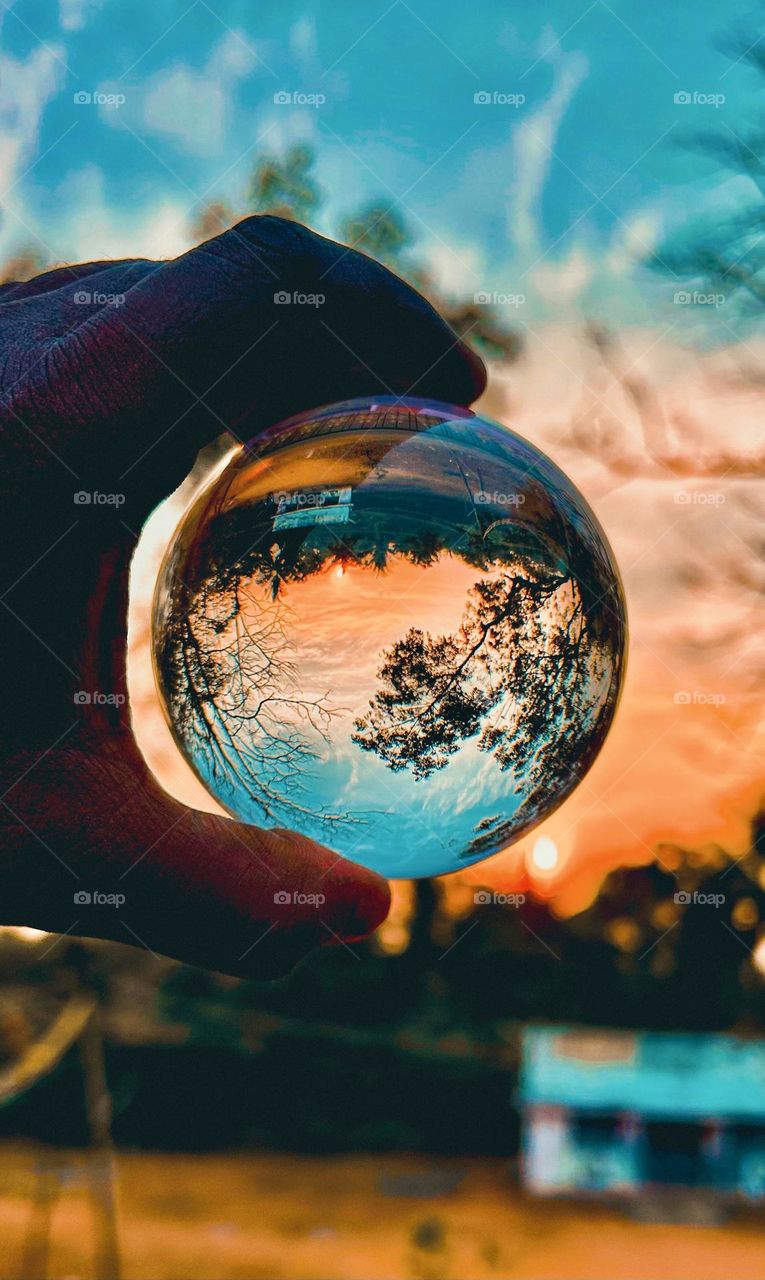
(544, 855)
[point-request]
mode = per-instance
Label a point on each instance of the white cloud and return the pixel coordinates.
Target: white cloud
(193, 106)
(634, 241)
(27, 84)
(73, 14)
(302, 38)
(282, 129)
(189, 107)
(456, 268)
(533, 144)
(563, 281)
(234, 55)
(93, 226)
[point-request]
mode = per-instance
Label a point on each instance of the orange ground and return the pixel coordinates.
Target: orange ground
(257, 1217)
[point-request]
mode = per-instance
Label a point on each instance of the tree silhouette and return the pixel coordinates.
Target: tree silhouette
(723, 252)
(211, 219)
(524, 673)
(380, 231)
(285, 186)
(231, 684)
(26, 263)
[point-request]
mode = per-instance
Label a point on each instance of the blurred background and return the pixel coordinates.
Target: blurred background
(552, 1065)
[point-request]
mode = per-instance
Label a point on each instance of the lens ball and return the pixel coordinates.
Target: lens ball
(393, 626)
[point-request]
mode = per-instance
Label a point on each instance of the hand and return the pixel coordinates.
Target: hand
(113, 376)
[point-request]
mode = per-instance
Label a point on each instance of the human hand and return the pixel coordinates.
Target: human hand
(115, 395)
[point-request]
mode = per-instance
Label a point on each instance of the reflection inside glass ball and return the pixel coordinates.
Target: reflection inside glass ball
(395, 627)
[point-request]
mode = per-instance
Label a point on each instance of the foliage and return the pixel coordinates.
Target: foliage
(724, 253)
(285, 186)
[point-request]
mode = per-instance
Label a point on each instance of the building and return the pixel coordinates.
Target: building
(618, 1111)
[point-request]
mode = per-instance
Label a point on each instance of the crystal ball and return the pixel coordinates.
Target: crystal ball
(394, 626)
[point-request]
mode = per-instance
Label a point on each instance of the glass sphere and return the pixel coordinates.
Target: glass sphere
(393, 626)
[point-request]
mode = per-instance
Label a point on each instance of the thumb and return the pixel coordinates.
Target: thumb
(95, 848)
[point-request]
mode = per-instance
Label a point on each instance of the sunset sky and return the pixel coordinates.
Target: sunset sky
(557, 202)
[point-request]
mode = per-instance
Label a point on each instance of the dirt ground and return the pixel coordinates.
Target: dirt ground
(263, 1217)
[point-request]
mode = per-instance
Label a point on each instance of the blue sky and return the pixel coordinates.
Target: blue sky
(557, 197)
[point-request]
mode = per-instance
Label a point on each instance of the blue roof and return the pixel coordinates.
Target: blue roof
(678, 1075)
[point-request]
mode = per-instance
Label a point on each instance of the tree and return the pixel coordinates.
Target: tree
(285, 187)
(231, 687)
(726, 253)
(23, 265)
(524, 675)
(379, 231)
(211, 220)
